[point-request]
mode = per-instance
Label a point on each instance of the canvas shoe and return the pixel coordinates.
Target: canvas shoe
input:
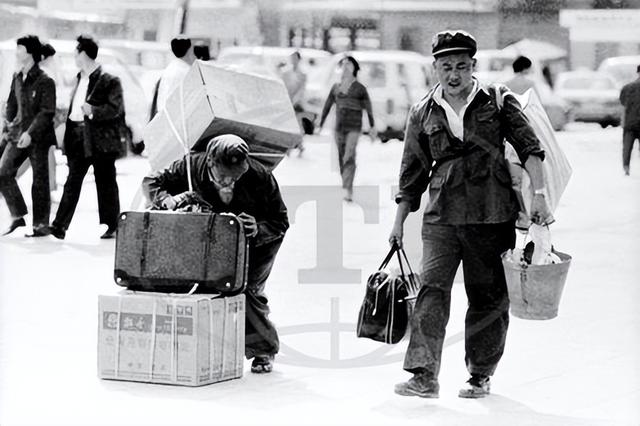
(419, 385)
(478, 386)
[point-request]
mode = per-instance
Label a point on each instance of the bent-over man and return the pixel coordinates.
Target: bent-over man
(231, 182)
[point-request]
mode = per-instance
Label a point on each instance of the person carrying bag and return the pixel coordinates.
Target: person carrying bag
(384, 314)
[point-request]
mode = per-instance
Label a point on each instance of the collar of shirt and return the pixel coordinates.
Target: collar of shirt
(89, 73)
(456, 123)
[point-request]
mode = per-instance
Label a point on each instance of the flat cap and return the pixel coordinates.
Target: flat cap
(451, 42)
(228, 150)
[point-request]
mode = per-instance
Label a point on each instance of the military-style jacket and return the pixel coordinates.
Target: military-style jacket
(468, 180)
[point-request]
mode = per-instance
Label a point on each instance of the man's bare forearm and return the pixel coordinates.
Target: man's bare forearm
(534, 168)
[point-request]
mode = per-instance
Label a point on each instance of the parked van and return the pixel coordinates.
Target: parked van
(395, 81)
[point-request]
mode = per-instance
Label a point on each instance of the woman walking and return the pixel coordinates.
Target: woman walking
(351, 98)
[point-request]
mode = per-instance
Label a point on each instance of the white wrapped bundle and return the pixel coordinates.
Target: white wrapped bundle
(556, 167)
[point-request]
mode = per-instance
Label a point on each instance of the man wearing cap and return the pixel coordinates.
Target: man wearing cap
(225, 177)
(454, 149)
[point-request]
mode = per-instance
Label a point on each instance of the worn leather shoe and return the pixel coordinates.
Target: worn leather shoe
(419, 385)
(39, 231)
(17, 223)
(57, 232)
(478, 386)
(109, 233)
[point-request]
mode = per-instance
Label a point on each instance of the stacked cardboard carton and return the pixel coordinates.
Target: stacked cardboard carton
(188, 340)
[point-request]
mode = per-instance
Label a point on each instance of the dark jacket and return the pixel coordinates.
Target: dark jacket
(255, 193)
(630, 99)
(468, 180)
(103, 133)
(35, 101)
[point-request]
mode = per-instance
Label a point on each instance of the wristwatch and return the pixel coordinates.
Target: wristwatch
(539, 191)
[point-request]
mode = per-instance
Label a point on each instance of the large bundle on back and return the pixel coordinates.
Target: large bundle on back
(213, 100)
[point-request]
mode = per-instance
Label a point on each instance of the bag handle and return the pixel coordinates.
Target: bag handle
(414, 286)
(402, 274)
(406, 259)
(387, 259)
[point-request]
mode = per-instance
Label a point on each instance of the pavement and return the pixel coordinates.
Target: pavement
(580, 368)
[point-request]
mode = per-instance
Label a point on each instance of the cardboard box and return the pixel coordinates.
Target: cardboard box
(188, 340)
(214, 100)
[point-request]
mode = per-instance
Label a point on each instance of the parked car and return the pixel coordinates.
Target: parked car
(64, 73)
(395, 80)
(593, 95)
(623, 69)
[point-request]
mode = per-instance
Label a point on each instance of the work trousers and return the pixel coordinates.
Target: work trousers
(479, 248)
(11, 158)
(261, 337)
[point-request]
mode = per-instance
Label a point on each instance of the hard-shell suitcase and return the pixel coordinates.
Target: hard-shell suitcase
(172, 252)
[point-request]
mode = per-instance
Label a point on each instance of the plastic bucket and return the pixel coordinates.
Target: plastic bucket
(535, 290)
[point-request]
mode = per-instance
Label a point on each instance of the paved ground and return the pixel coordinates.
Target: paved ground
(578, 369)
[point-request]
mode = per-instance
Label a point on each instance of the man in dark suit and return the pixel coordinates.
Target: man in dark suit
(28, 134)
(92, 138)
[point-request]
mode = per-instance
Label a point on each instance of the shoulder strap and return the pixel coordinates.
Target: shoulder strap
(497, 94)
(498, 97)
